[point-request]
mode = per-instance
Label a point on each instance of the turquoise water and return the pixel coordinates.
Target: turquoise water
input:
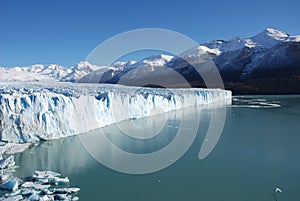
(257, 152)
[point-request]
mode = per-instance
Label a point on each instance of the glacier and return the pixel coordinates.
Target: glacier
(30, 112)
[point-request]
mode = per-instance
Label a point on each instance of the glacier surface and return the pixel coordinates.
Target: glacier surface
(42, 111)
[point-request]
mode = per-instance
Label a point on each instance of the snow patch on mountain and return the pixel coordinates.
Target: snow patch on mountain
(199, 54)
(266, 39)
(153, 61)
(46, 73)
(80, 70)
(33, 73)
(127, 70)
(269, 38)
(103, 74)
(123, 64)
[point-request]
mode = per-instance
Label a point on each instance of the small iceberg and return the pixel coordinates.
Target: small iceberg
(13, 148)
(58, 180)
(28, 192)
(40, 187)
(35, 185)
(10, 185)
(34, 197)
(277, 190)
(13, 198)
(45, 176)
(7, 163)
(9, 149)
(66, 190)
(3, 177)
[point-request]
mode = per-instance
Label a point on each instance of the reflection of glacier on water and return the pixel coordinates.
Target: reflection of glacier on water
(69, 155)
(127, 150)
(160, 129)
(63, 155)
(252, 102)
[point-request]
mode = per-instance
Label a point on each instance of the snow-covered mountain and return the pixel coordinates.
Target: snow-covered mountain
(80, 70)
(128, 71)
(33, 73)
(242, 61)
(83, 71)
(123, 64)
(267, 50)
(47, 73)
(265, 63)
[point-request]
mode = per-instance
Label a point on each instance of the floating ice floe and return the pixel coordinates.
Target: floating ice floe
(12, 198)
(34, 190)
(10, 185)
(278, 190)
(39, 188)
(58, 180)
(50, 177)
(34, 197)
(35, 185)
(7, 163)
(66, 190)
(3, 177)
(45, 174)
(13, 148)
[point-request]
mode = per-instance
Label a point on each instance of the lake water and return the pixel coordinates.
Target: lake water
(257, 152)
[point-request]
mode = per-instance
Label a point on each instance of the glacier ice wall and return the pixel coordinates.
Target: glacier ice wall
(34, 111)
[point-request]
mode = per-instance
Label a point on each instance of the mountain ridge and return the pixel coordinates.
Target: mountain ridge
(246, 65)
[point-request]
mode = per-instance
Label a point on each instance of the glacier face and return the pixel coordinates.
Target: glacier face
(34, 111)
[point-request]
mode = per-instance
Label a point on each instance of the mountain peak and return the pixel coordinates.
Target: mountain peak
(269, 37)
(274, 33)
(271, 33)
(158, 57)
(83, 64)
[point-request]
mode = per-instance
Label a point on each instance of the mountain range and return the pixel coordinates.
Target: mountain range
(47, 73)
(267, 63)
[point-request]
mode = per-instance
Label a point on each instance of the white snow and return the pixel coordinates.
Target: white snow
(153, 61)
(103, 73)
(123, 64)
(36, 186)
(46, 73)
(80, 70)
(266, 39)
(269, 37)
(33, 111)
(141, 68)
(234, 44)
(199, 51)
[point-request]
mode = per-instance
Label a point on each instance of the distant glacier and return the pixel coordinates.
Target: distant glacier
(41, 111)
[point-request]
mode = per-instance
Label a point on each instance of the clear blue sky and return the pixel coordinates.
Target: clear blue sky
(65, 31)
